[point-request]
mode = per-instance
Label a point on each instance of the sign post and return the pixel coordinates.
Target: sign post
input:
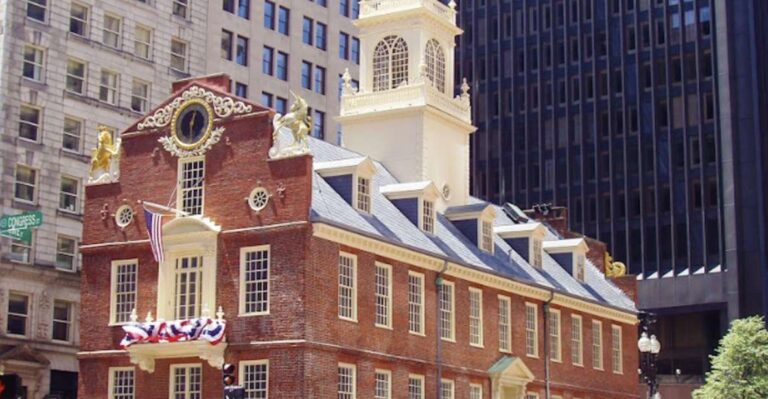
(19, 227)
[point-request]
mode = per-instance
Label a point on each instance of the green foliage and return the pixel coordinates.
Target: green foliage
(740, 367)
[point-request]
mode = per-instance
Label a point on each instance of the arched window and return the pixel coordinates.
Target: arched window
(435, 58)
(390, 63)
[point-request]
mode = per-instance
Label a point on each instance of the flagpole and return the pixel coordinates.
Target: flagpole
(163, 207)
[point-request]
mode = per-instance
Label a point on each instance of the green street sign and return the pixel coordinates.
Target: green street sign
(19, 227)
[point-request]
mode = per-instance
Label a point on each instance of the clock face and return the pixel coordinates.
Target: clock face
(192, 124)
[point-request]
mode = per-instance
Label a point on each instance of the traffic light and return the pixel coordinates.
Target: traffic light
(10, 385)
(228, 374)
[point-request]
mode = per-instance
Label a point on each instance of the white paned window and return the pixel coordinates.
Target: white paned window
(390, 63)
(181, 8)
(616, 355)
(142, 42)
(505, 326)
(186, 382)
(73, 133)
(179, 55)
(25, 186)
(121, 383)
(531, 396)
(30, 123)
(191, 183)
(364, 194)
(68, 198)
(475, 391)
(536, 255)
(597, 344)
(475, 317)
(435, 58)
(108, 86)
(486, 236)
(18, 314)
(33, 63)
(76, 76)
(188, 283)
(140, 95)
(415, 386)
(66, 253)
(62, 321)
(348, 287)
(254, 377)
(531, 330)
(415, 303)
(447, 303)
(555, 350)
(124, 275)
(254, 280)
(21, 251)
(78, 19)
(579, 269)
(112, 31)
(383, 288)
(577, 346)
(428, 216)
(446, 389)
(346, 382)
(382, 384)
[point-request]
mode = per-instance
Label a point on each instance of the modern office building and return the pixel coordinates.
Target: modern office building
(643, 118)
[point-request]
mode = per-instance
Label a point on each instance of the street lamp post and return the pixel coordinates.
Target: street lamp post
(649, 352)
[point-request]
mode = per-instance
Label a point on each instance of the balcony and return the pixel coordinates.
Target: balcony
(372, 8)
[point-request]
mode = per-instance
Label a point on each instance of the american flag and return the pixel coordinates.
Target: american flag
(155, 230)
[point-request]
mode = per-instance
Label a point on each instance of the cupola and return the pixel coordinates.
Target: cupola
(417, 201)
(570, 254)
(475, 221)
(352, 179)
(525, 239)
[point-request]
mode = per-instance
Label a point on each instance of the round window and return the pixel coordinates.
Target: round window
(124, 216)
(258, 199)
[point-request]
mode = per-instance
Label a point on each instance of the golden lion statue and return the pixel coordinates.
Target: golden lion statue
(103, 155)
(299, 123)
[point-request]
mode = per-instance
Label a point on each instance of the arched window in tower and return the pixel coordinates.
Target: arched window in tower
(435, 58)
(390, 63)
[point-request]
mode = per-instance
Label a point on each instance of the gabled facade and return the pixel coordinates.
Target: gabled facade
(317, 285)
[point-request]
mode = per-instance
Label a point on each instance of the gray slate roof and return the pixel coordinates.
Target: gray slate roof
(386, 222)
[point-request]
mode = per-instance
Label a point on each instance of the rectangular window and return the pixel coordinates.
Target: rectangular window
(187, 287)
(363, 194)
(226, 44)
(321, 34)
(25, 186)
(446, 303)
(242, 51)
(415, 386)
(108, 86)
(62, 321)
(347, 287)
(281, 105)
(186, 382)
(121, 383)
(66, 253)
(355, 51)
(140, 96)
(266, 99)
(531, 330)
(347, 381)
(577, 348)
(415, 303)
(254, 280)
(33, 63)
(616, 348)
(29, 123)
(180, 8)
(266, 61)
(475, 391)
(36, 9)
(76, 76)
(307, 29)
(241, 90)
(269, 15)
(254, 377)
(191, 184)
(306, 75)
(142, 42)
(475, 317)
(179, 55)
(505, 325)
(555, 350)
(244, 9)
(486, 236)
(73, 132)
(282, 66)
(597, 344)
(382, 384)
(383, 293)
(124, 278)
(343, 45)
(428, 216)
(344, 8)
(228, 6)
(112, 31)
(18, 314)
(283, 20)
(446, 389)
(319, 79)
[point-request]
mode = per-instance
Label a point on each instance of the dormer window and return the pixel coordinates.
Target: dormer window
(570, 254)
(190, 185)
(579, 268)
(536, 252)
(352, 179)
(525, 239)
(416, 201)
(428, 216)
(475, 221)
(486, 236)
(363, 194)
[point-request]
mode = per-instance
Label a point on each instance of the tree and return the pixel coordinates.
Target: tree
(740, 367)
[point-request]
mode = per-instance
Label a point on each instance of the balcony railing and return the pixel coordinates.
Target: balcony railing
(370, 8)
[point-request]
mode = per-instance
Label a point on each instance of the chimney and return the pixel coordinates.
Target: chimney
(555, 216)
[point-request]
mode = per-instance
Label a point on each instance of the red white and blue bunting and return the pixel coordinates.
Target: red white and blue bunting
(204, 328)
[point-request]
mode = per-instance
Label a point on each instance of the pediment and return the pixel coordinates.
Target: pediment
(187, 225)
(511, 369)
(24, 353)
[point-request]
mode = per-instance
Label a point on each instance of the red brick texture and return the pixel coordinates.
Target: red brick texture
(302, 336)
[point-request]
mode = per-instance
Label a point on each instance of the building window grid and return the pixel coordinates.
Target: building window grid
(68, 194)
(17, 322)
(390, 63)
(180, 8)
(241, 51)
(346, 381)
(30, 123)
(254, 376)
(446, 303)
(382, 384)
(121, 381)
(188, 287)
(187, 381)
(319, 83)
(34, 63)
(347, 287)
(577, 348)
(255, 275)
(62, 321)
(446, 389)
(475, 391)
(616, 349)
(112, 31)
(531, 330)
(283, 20)
(475, 317)
(76, 76)
(66, 253)
(505, 326)
(282, 66)
(37, 9)
(179, 55)
(142, 42)
(139, 95)
(415, 387)
(383, 295)
(21, 251)
(597, 345)
(227, 38)
(108, 86)
(416, 303)
(555, 348)
(124, 285)
(73, 132)
(191, 184)
(269, 15)
(25, 186)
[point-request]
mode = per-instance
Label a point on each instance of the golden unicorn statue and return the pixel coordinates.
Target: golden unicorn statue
(299, 123)
(103, 155)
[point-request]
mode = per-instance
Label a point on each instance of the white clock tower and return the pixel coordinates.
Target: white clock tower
(404, 113)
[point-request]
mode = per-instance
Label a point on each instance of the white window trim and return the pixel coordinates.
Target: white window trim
(389, 381)
(74, 254)
(420, 378)
(599, 325)
(508, 300)
(115, 89)
(185, 56)
(452, 334)
(111, 383)
(83, 79)
(241, 371)
(113, 288)
(76, 194)
(81, 122)
(432, 215)
(146, 100)
(70, 322)
(148, 44)
(35, 193)
(531, 395)
(354, 377)
(480, 241)
(388, 269)
(243, 252)
(353, 257)
(618, 368)
(86, 22)
(39, 126)
(581, 340)
(355, 188)
(187, 366)
(535, 329)
(420, 276)
(556, 356)
(41, 65)
(476, 386)
(179, 177)
(479, 292)
(453, 388)
(28, 315)
(118, 33)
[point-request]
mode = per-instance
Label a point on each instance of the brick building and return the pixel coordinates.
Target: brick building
(338, 272)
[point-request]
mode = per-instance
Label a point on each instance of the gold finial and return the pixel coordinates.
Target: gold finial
(102, 156)
(613, 269)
